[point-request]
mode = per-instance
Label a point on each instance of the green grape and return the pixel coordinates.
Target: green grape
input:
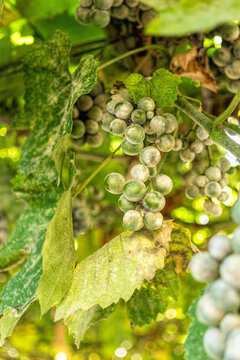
(100, 18)
(236, 240)
(207, 312)
(232, 70)
(114, 183)
(118, 127)
(223, 164)
(97, 89)
(171, 122)
(202, 181)
(101, 100)
(135, 134)
(123, 110)
(187, 155)
(219, 247)
(95, 140)
(120, 12)
(158, 124)
(75, 113)
(132, 3)
(154, 201)
(132, 15)
(144, 7)
(178, 145)
(163, 184)
(232, 348)
(214, 343)
(117, 3)
(147, 17)
(138, 117)
(95, 113)
(214, 209)
(150, 156)
(229, 323)
(85, 3)
(221, 56)
(208, 142)
(224, 196)
(152, 171)
(229, 32)
(212, 189)
(225, 296)
(229, 270)
(133, 220)
(224, 181)
(192, 192)
(131, 149)
(83, 15)
(146, 104)
(84, 103)
(165, 143)
(150, 114)
(153, 221)
(202, 134)
(112, 102)
(78, 129)
(106, 120)
(134, 190)
(197, 146)
(147, 129)
(203, 267)
(103, 4)
(140, 172)
(236, 50)
(233, 86)
(126, 205)
(92, 126)
(213, 173)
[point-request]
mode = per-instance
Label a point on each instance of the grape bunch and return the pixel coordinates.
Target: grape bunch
(211, 184)
(87, 114)
(99, 12)
(139, 122)
(219, 306)
(141, 206)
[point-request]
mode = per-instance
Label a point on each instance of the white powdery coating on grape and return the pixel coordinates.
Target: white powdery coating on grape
(232, 351)
(207, 311)
(133, 220)
(135, 134)
(158, 124)
(166, 143)
(153, 221)
(214, 343)
(134, 190)
(154, 201)
(171, 122)
(219, 247)
(112, 102)
(229, 270)
(213, 173)
(150, 156)
(229, 323)
(203, 267)
(140, 172)
(123, 110)
(162, 183)
(201, 133)
(225, 296)
(213, 189)
(114, 183)
(146, 104)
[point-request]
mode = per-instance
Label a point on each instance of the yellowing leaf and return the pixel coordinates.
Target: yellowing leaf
(58, 256)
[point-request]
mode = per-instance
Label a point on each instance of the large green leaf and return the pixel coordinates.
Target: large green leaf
(137, 87)
(164, 87)
(116, 270)
(7, 323)
(58, 256)
(187, 16)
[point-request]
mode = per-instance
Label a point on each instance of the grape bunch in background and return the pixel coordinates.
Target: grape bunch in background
(87, 114)
(100, 12)
(219, 307)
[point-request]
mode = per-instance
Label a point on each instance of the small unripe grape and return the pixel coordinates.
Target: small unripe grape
(95, 140)
(75, 112)
(225, 296)
(223, 196)
(229, 32)
(133, 220)
(166, 143)
(214, 343)
(202, 181)
(138, 117)
(135, 134)
(221, 56)
(100, 18)
(212, 189)
(123, 110)
(232, 70)
(177, 145)
(201, 133)
(192, 192)
(187, 155)
(229, 323)
(134, 190)
(92, 126)
(148, 130)
(106, 121)
(117, 3)
(120, 12)
(78, 129)
(97, 89)
(229, 270)
(126, 205)
(112, 102)
(146, 104)
(223, 164)
(197, 146)
(213, 173)
(158, 124)
(162, 183)
(103, 4)
(101, 100)
(236, 240)
(152, 171)
(232, 348)
(208, 142)
(154, 201)
(114, 183)
(207, 312)
(219, 246)
(131, 3)
(95, 113)
(236, 50)
(213, 209)
(150, 114)
(153, 221)
(85, 3)
(147, 17)
(150, 156)
(83, 15)
(140, 172)
(131, 149)
(118, 127)
(84, 103)
(171, 122)
(203, 267)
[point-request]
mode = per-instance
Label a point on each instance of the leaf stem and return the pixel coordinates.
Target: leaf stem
(229, 110)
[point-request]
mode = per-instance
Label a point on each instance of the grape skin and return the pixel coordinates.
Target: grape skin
(229, 270)
(140, 172)
(214, 343)
(203, 267)
(150, 156)
(154, 201)
(207, 312)
(162, 183)
(153, 221)
(114, 183)
(219, 247)
(134, 190)
(133, 220)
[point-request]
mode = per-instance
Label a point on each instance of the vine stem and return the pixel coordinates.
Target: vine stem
(229, 110)
(79, 188)
(129, 53)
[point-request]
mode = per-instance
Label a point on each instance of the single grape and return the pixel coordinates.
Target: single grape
(207, 312)
(214, 209)
(131, 43)
(84, 103)
(75, 112)
(97, 89)
(120, 12)
(150, 156)
(171, 122)
(224, 196)
(225, 296)
(135, 134)
(236, 50)
(95, 140)
(223, 164)
(118, 127)
(197, 146)
(100, 18)
(134, 190)
(177, 145)
(232, 348)
(92, 126)
(201, 133)
(78, 143)
(95, 113)
(112, 102)
(147, 17)
(213, 173)
(131, 149)
(214, 343)
(229, 32)
(140, 172)
(131, 3)
(126, 205)
(162, 183)
(85, 3)
(192, 192)
(165, 143)
(146, 104)
(221, 56)
(83, 15)
(229, 323)
(114, 183)
(150, 114)
(103, 4)
(187, 155)
(123, 110)
(144, 7)
(154, 201)
(138, 117)
(229, 270)
(148, 130)
(212, 189)
(236, 240)
(219, 246)
(158, 124)
(208, 142)
(106, 121)
(232, 70)
(153, 221)
(78, 129)
(203, 267)
(101, 100)
(133, 220)
(232, 86)
(202, 181)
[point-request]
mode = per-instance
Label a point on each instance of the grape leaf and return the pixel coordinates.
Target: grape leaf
(7, 323)
(164, 87)
(186, 16)
(58, 256)
(137, 87)
(153, 297)
(116, 270)
(235, 211)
